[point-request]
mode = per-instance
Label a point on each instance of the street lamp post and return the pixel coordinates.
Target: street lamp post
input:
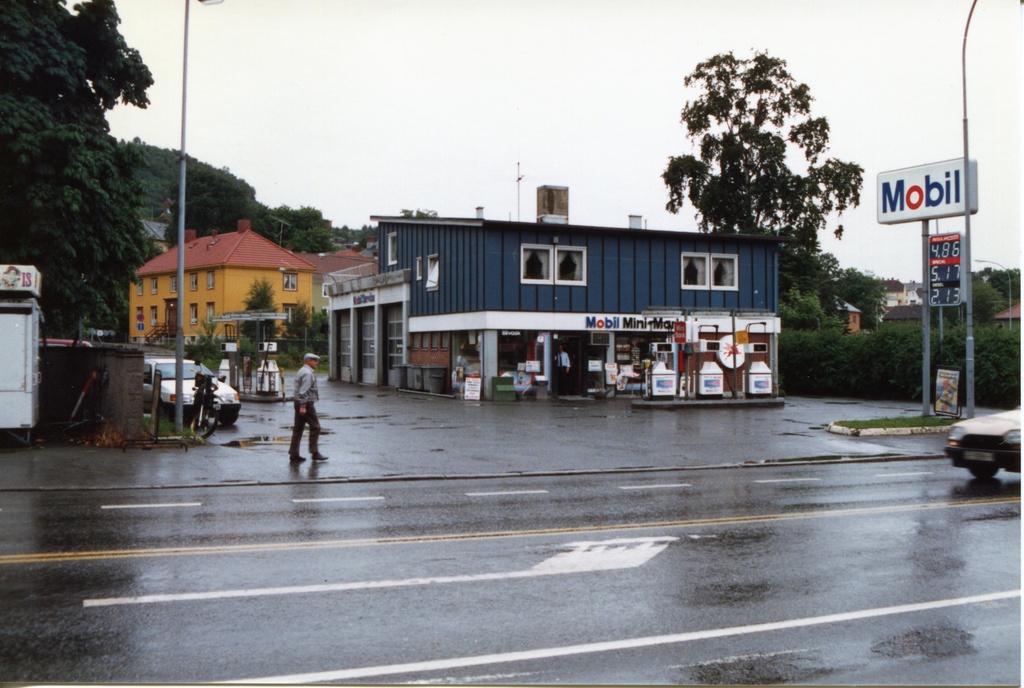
(179, 326)
(966, 278)
(1009, 288)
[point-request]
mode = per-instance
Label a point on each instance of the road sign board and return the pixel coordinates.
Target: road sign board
(140, 326)
(944, 275)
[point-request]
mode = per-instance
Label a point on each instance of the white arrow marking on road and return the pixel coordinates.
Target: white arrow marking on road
(607, 555)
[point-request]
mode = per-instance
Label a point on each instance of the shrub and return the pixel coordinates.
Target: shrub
(886, 364)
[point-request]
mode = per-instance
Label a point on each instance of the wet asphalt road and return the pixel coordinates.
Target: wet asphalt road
(716, 568)
(898, 573)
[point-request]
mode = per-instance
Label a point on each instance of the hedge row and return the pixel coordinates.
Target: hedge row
(886, 364)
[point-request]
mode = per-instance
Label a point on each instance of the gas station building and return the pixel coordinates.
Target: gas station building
(470, 306)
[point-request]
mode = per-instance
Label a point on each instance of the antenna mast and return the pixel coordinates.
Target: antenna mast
(519, 178)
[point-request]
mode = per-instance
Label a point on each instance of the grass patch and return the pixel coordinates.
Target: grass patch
(166, 429)
(902, 422)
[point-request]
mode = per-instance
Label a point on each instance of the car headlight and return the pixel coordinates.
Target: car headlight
(956, 434)
(1012, 438)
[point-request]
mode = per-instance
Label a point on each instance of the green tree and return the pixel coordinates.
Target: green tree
(304, 229)
(750, 120)
(214, 199)
(866, 292)
(260, 298)
(68, 194)
(803, 311)
(419, 213)
(301, 321)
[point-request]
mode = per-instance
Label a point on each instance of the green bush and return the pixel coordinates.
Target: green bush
(886, 364)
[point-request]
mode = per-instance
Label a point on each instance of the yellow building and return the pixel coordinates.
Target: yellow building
(220, 270)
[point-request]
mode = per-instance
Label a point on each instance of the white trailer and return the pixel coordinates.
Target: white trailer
(19, 342)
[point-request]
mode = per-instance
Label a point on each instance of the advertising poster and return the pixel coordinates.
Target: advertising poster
(472, 388)
(947, 392)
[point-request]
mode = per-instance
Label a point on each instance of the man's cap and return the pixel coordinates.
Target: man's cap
(310, 357)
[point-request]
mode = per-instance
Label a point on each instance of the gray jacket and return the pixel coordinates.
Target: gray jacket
(305, 391)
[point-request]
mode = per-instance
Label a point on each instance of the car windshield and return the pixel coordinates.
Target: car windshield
(166, 370)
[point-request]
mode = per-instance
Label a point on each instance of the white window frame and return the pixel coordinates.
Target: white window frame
(210, 279)
(174, 284)
(292, 279)
(289, 311)
(682, 272)
(541, 248)
(729, 257)
(419, 268)
(193, 281)
(211, 311)
(433, 272)
(393, 248)
(582, 251)
(153, 316)
(138, 288)
(153, 283)
(193, 313)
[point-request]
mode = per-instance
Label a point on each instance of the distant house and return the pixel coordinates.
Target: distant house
(898, 293)
(852, 317)
(219, 272)
(910, 315)
(156, 232)
(338, 262)
(1005, 318)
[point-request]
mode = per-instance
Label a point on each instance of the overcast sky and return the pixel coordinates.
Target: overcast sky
(366, 107)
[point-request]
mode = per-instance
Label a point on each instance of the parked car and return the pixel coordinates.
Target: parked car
(985, 444)
(226, 394)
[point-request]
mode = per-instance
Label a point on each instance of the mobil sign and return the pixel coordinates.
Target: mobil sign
(926, 192)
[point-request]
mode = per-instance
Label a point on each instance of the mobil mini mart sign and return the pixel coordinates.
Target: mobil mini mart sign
(926, 192)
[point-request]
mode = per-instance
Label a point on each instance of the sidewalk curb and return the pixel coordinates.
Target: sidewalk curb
(767, 463)
(878, 432)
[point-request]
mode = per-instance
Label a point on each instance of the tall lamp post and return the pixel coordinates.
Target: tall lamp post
(1009, 288)
(179, 331)
(966, 278)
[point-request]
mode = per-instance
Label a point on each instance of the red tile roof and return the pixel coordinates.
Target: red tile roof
(340, 260)
(235, 248)
(1010, 313)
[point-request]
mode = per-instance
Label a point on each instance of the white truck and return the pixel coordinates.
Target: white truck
(228, 402)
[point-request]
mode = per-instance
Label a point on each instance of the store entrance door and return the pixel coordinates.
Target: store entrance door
(573, 384)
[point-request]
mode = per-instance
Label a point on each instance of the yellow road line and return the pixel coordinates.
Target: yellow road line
(56, 557)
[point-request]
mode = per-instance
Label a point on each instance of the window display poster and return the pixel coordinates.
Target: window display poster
(472, 389)
(947, 392)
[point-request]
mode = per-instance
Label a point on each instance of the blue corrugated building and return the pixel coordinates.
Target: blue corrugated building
(457, 298)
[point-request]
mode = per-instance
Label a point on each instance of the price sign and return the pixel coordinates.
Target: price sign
(944, 270)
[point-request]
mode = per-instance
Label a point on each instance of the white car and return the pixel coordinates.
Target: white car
(229, 404)
(985, 444)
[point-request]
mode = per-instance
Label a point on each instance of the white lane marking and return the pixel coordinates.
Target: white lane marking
(341, 675)
(336, 499)
(902, 475)
(606, 555)
(790, 480)
(150, 506)
(498, 494)
(652, 487)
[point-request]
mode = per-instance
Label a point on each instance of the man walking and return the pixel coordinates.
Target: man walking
(305, 397)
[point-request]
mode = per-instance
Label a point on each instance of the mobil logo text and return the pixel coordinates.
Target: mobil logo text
(926, 192)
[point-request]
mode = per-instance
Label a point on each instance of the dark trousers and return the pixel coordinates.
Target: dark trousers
(301, 421)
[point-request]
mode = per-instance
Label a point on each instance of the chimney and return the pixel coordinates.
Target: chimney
(636, 221)
(553, 204)
(190, 235)
(244, 226)
(479, 212)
